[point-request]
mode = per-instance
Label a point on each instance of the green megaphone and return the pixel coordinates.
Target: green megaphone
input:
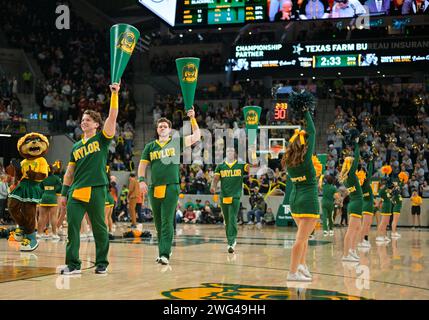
(187, 71)
(123, 39)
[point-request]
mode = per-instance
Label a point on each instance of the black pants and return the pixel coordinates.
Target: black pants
(2, 208)
(344, 216)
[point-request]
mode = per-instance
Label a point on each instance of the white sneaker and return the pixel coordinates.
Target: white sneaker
(46, 236)
(387, 239)
(354, 254)
(259, 225)
(366, 244)
(350, 258)
(298, 276)
(39, 236)
(380, 239)
(250, 222)
(331, 232)
(303, 269)
(163, 260)
(325, 233)
(396, 235)
(55, 237)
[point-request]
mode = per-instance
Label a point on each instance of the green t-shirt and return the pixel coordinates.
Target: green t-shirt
(189, 203)
(164, 161)
(51, 185)
(231, 178)
(90, 160)
(328, 193)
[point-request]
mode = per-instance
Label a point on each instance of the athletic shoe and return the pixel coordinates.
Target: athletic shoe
(387, 239)
(29, 243)
(250, 222)
(163, 260)
(331, 232)
(111, 236)
(325, 233)
(158, 260)
(70, 271)
(354, 254)
(366, 244)
(298, 276)
(350, 258)
(55, 237)
(18, 235)
(311, 237)
(231, 249)
(46, 236)
(303, 269)
(39, 236)
(380, 239)
(100, 269)
(396, 235)
(259, 225)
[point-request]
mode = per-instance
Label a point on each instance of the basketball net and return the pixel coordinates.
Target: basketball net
(275, 151)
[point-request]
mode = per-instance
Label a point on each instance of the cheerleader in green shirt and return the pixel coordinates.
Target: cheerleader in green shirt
(368, 206)
(51, 186)
(354, 208)
(304, 202)
(386, 210)
(328, 192)
(230, 173)
(163, 156)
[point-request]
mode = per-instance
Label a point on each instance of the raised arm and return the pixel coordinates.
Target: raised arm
(110, 123)
(196, 133)
(356, 158)
(311, 131)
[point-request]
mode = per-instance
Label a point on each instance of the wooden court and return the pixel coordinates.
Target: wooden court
(200, 268)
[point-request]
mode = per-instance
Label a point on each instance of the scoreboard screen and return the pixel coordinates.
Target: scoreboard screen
(347, 60)
(219, 12)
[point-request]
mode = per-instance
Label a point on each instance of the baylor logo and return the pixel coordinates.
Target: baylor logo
(189, 72)
(127, 42)
(215, 291)
(252, 118)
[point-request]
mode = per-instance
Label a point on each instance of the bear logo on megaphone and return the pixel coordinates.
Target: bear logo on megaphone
(127, 42)
(252, 118)
(189, 72)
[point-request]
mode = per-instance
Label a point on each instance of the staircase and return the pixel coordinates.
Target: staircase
(325, 116)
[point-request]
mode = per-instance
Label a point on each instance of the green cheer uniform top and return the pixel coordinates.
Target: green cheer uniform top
(352, 184)
(368, 195)
(303, 199)
(51, 186)
(231, 179)
(397, 201)
(61, 177)
(164, 159)
(28, 190)
(386, 208)
(90, 159)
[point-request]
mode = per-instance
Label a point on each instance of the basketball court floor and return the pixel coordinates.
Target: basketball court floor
(202, 269)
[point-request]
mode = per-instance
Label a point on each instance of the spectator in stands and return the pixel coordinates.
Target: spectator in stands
(415, 7)
(179, 214)
(190, 216)
(268, 217)
(258, 205)
(424, 189)
(118, 163)
(146, 214)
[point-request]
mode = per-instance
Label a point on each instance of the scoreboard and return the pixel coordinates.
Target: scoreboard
(219, 12)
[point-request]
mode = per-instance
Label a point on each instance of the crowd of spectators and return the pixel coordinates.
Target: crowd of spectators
(394, 120)
(11, 118)
(75, 65)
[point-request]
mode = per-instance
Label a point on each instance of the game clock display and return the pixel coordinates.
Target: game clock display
(219, 12)
(347, 60)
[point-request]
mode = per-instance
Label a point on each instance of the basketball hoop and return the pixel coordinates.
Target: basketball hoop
(275, 151)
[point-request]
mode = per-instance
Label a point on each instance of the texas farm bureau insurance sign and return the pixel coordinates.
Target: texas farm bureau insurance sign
(331, 54)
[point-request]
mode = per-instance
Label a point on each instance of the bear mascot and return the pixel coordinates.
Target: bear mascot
(24, 198)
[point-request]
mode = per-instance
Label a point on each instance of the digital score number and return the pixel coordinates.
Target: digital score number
(280, 111)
